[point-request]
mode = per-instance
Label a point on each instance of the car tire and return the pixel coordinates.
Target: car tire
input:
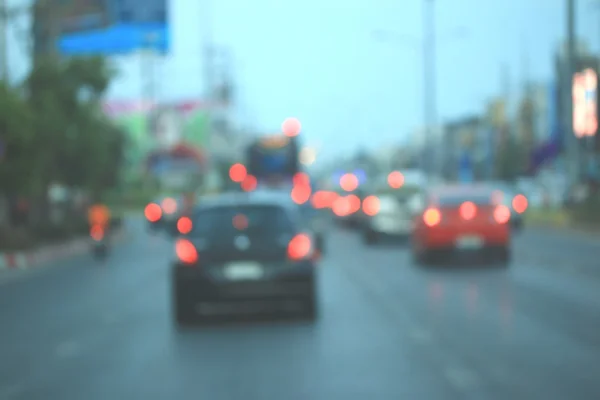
(422, 258)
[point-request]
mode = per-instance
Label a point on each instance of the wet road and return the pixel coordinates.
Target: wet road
(388, 330)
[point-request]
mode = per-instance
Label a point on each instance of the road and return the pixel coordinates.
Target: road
(388, 330)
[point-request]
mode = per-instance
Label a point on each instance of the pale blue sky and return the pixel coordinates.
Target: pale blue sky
(318, 60)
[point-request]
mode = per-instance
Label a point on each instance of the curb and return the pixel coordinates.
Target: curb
(46, 255)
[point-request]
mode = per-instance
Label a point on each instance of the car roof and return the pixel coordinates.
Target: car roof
(259, 197)
(462, 189)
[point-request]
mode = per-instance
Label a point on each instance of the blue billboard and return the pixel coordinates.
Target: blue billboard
(115, 27)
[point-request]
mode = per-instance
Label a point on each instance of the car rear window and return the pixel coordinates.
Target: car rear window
(456, 200)
(254, 219)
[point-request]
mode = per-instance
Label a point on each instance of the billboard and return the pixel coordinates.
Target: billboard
(109, 27)
(585, 103)
(171, 139)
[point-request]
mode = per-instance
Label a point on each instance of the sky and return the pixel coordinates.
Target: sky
(351, 71)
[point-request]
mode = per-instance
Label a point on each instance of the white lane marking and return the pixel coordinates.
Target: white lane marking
(68, 349)
(420, 335)
(461, 378)
(12, 391)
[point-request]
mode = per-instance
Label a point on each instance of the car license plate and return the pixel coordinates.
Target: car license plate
(243, 271)
(469, 242)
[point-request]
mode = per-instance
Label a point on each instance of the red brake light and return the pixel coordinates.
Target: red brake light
(371, 205)
(299, 247)
(186, 252)
(520, 203)
(169, 205)
(432, 217)
(501, 214)
(184, 225)
(468, 210)
(153, 212)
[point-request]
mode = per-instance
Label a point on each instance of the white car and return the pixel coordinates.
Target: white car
(395, 216)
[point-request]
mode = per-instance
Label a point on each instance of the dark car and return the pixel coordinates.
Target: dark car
(247, 253)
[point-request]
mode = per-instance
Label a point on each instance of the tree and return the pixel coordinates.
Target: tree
(16, 139)
(75, 144)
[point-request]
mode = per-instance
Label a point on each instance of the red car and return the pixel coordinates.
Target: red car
(462, 220)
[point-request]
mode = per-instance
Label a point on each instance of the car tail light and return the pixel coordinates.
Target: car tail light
(520, 203)
(153, 212)
(300, 247)
(432, 217)
(186, 251)
(97, 233)
(169, 205)
(468, 210)
(184, 225)
(501, 214)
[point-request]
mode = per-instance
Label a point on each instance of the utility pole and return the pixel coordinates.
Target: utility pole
(4, 22)
(573, 160)
(429, 85)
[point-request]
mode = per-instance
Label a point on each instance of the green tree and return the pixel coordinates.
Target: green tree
(17, 173)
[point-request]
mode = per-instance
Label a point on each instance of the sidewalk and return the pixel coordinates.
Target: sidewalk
(46, 255)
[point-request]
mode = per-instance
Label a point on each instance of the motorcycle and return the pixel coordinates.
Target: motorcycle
(100, 242)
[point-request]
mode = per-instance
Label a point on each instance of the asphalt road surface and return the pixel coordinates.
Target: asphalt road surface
(388, 330)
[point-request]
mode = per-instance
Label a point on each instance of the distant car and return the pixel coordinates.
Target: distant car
(352, 215)
(514, 200)
(394, 217)
(462, 220)
(162, 213)
(248, 253)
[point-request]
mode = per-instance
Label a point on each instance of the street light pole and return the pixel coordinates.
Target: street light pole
(429, 83)
(571, 141)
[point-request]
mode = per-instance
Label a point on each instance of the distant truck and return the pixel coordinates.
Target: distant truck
(274, 159)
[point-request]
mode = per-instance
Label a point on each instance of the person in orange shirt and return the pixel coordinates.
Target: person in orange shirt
(99, 218)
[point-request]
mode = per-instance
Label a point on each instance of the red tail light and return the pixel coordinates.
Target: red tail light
(184, 225)
(153, 212)
(432, 217)
(169, 205)
(501, 214)
(97, 233)
(186, 252)
(300, 247)
(468, 210)
(520, 203)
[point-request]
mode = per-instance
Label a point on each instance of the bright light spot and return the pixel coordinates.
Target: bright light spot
(184, 225)
(395, 179)
(501, 214)
(371, 205)
(153, 212)
(249, 183)
(237, 173)
(169, 205)
(308, 156)
(341, 207)
(291, 127)
(432, 217)
(349, 182)
(354, 202)
(520, 203)
(301, 194)
(301, 179)
(468, 210)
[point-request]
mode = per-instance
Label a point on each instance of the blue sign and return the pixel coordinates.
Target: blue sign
(135, 25)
